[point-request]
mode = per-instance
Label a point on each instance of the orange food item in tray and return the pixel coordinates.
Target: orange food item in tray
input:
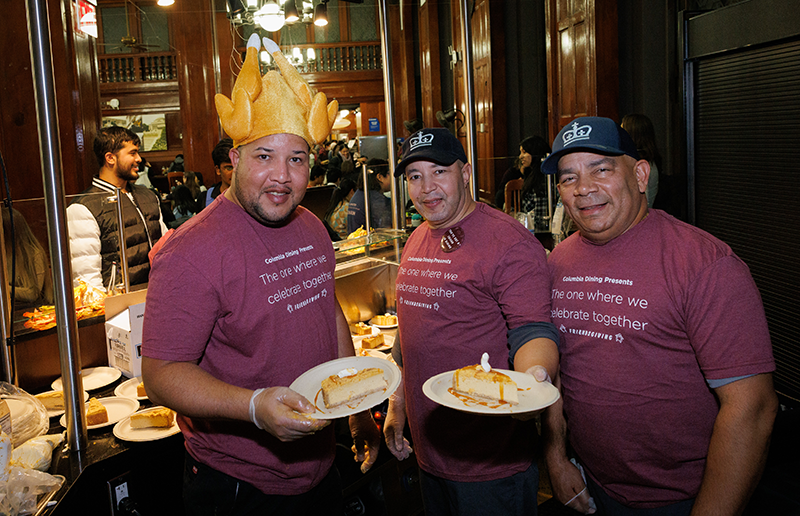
(89, 302)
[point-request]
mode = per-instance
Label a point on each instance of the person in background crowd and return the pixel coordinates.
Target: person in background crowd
(641, 130)
(317, 176)
(33, 284)
(177, 164)
(92, 222)
(183, 205)
(342, 160)
(219, 345)
(192, 181)
(533, 195)
(378, 182)
(336, 215)
(534, 187)
(475, 281)
(223, 168)
(666, 361)
(144, 175)
(333, 176)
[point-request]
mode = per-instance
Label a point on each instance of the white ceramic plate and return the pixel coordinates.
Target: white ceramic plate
(123, 430)
(58, 412)
(309, 384)
(371, 353)
(127, 389)
(375, 330)
(382, 326)
(388, 342)
(532, 395)
(93, 378)
(118, 409)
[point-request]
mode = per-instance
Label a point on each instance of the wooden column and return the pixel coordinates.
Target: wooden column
(582, 60)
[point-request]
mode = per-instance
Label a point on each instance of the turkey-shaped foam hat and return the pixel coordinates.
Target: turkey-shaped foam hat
(277, 103)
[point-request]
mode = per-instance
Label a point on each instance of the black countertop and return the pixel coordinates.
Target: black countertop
(153, 470)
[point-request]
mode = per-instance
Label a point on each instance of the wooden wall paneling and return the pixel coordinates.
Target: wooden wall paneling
(86, 109)
(431, 92)
(373, 110)
(77, 97)
(348, 87)
(606, 51)
(482, 81)
(192, 35)
(77, 101)
(19, 141)
(403, 67)
(582, 60)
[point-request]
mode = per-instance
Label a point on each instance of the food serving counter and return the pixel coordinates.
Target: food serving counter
(366, 269)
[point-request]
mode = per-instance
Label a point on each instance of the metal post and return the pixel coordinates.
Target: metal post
(389, 99)
(364, 177)
(50, 154)
(7, 323)
(469, 94)
(123, 248)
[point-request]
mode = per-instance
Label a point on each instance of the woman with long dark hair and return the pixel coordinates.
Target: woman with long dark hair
(336, 216)
(32, 281)
(534, 188)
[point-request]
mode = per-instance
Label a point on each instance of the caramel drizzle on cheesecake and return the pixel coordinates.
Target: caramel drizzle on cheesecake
(468, 400)
(356, 400)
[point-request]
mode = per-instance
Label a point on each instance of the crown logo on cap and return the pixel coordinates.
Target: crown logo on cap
(420, 140)
(577, 133)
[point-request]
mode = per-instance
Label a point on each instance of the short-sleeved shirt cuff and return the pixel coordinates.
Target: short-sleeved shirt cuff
(537, 330)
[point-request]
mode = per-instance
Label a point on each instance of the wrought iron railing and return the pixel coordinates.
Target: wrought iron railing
(348, 56)
(307, 58)
(149, 67)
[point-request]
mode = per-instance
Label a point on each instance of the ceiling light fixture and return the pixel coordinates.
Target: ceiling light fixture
(165, 3)
(270, 16)
(321, 14)
(290, 11)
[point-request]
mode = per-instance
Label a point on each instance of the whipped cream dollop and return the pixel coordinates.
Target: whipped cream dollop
(485, 362)
(344, 373)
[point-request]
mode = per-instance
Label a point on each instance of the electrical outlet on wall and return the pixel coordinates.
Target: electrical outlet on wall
(117, 491)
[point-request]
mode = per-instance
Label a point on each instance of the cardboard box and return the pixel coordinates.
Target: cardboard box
(124, 317)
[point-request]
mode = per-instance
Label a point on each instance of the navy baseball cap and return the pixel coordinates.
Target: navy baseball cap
(590, 134)
(437, 145)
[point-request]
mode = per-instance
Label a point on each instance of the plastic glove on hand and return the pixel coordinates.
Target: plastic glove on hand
(282, 412)
(366, 439)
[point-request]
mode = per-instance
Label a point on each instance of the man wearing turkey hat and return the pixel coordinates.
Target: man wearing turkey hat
(666, 362)
(241, 302)
(472, 281)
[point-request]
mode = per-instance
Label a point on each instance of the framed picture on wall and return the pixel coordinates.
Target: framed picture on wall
(151, 129)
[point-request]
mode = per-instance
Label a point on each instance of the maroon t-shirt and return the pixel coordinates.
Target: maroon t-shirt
(254, 306)
(645, 320)
(452, 307)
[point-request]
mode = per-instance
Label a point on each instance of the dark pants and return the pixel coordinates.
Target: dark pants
(208, 492)
(510, 496)
(607, 506)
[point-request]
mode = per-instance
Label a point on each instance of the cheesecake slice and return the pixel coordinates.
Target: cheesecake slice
(474, 381)
(350, 385)
(362, 329)
(385, 320)
(140, 390)
(52, 400)
(373, 342)
(160, 417)
(96, 413)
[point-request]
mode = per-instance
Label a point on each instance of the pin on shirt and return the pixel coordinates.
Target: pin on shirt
(452, 239)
